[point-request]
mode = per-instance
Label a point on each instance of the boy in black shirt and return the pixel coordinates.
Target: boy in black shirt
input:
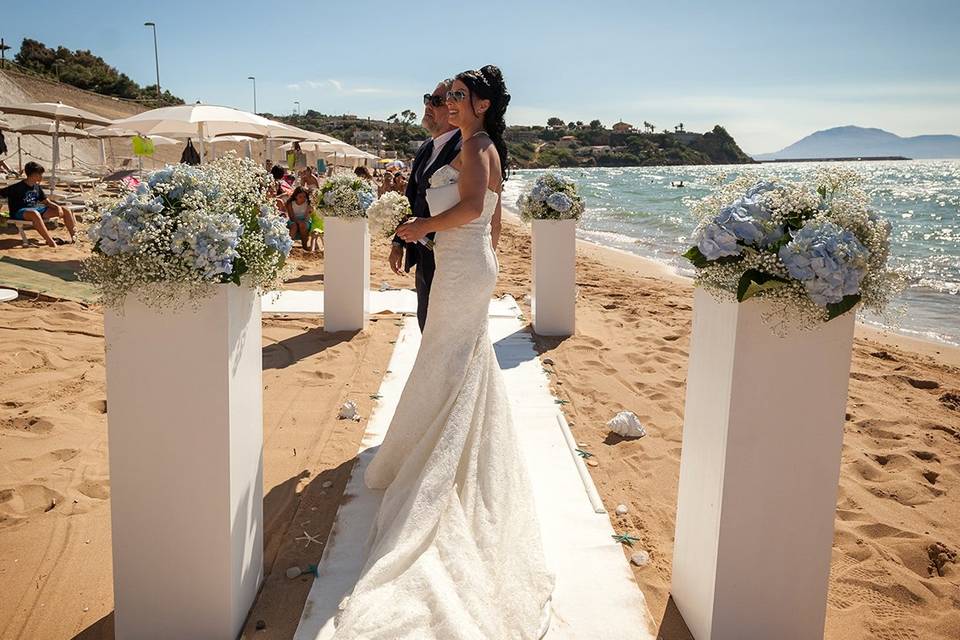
(28, 202)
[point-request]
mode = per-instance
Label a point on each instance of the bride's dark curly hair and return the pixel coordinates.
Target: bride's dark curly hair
(487, 84)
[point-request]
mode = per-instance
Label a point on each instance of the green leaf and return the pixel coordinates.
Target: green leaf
(753, 281)
(840, 308)
(695, 256)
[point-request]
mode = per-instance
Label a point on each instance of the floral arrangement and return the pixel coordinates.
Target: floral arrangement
(552, 197)
(188, 228)
(815, 251)
(346, 197)
(388, 213)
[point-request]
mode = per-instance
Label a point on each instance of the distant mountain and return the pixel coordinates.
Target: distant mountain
(853, 142)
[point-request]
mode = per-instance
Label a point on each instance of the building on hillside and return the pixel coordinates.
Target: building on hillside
(521, 135)
(567, 141)
(623, 127)
(368, 139)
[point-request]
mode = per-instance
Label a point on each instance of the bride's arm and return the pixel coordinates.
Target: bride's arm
(473, 181)
(496, 222)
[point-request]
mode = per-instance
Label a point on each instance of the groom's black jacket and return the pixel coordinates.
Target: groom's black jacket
(416, 253)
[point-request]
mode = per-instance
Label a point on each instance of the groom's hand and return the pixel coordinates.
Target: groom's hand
(396, 259)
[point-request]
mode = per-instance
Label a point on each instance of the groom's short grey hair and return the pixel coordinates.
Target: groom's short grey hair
(447, 83)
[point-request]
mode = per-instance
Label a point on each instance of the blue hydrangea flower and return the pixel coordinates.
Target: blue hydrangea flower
(715, 242)
(830, 261)
(365, 198)
(560, 202)
(275, 233)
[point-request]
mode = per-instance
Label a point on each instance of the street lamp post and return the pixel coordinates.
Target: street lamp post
(254, 92)
(156, 55)
(297, 102)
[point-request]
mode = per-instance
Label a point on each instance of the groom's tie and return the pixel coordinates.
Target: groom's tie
(427, 153)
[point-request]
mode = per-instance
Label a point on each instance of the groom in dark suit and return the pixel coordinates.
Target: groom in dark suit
(441, 149)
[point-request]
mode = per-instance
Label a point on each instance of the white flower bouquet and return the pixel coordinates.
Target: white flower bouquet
(388, 212)
(188, 228)
(345, 197)
(816, 251)
(552, 197)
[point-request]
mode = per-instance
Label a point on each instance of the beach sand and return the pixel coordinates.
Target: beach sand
(897, 499)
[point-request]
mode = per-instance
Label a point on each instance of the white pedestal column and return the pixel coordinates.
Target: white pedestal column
(760, 464)
(553, 299)
(185, 416)
(346, 274)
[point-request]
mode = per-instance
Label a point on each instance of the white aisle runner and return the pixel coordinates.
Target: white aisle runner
(596, 596)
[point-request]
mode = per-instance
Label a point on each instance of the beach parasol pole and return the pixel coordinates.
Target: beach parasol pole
(56, 154)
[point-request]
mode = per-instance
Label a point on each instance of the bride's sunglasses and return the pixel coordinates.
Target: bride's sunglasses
(436, 101)
(456, 96)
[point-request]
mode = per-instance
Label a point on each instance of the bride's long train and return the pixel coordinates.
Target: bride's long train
(455, 552)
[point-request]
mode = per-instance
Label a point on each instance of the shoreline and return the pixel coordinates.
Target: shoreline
(645, 267)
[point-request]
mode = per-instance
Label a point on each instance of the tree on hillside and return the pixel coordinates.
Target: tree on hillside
(554, 122)
(678, 128)
(596, 124)
(84, 70)
(409, 117)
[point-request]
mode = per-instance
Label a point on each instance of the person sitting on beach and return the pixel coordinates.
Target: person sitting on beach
(298, 211)
(400, 183)
(309, 179)
(386, 184)
(363, 173)
(28, 202)
(282, 181)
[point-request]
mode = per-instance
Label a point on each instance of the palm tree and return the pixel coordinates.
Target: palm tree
(678, 128)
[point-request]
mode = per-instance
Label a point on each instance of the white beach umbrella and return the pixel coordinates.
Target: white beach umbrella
(50, 129)
(57, 112)
(56, 130)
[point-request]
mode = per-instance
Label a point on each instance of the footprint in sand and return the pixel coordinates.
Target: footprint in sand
(25, 500)
(950, 400)
(916, 383)
(27, 424)
(926, 456)
(96, 489)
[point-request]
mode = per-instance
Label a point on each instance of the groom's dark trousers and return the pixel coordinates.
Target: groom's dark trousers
(417, 254)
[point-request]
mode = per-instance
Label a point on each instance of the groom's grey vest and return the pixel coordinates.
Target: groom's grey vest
(417, 192)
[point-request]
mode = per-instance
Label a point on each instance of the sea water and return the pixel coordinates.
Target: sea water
(641, 210)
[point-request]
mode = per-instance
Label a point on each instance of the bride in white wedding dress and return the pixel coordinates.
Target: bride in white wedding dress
(455, 552)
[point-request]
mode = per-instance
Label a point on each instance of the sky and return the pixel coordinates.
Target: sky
(770, 72)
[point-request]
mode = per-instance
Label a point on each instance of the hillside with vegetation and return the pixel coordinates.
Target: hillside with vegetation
(84, 70)
(401, 132)
(576, 144)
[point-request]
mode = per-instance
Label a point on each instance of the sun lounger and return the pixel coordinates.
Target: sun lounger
(23, 225)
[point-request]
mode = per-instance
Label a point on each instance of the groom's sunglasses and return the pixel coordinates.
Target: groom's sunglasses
(436, 101)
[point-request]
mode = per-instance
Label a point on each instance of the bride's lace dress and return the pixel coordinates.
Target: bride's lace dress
(455, 552)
